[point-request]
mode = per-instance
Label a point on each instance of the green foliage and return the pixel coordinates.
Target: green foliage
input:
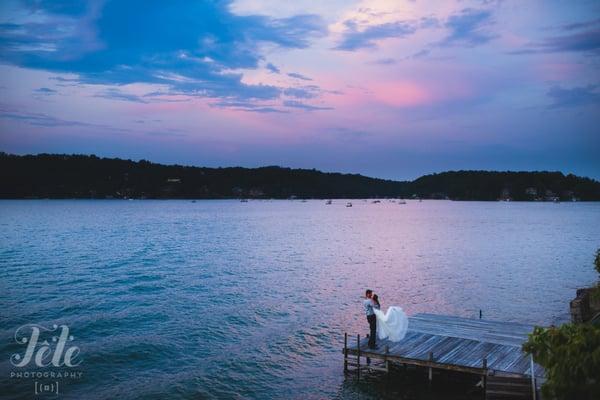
(570, 355)
(596, 289)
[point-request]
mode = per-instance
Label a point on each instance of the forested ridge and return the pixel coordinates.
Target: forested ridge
(88, 176)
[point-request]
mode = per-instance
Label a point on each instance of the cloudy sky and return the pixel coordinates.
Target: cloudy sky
(392, 89)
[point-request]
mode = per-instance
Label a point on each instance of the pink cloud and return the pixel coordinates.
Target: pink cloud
(403, 94)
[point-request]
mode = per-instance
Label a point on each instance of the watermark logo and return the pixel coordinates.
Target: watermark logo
(44, 353)
(48, 353)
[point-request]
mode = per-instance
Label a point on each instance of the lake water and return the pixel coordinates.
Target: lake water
(223, 299)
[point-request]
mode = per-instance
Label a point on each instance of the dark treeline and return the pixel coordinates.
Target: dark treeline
(520, 186)
(81, 176)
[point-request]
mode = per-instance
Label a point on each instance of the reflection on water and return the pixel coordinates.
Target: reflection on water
(222, 299)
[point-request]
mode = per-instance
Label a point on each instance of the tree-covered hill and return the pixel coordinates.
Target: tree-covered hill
(491, 185)
(82, 176)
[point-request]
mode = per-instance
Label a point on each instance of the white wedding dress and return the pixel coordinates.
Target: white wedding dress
(392, 325)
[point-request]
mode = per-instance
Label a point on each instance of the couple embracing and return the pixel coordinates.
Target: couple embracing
(391, 325)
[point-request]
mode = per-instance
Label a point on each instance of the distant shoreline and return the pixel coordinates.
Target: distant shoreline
(231, 199)
(60, 176)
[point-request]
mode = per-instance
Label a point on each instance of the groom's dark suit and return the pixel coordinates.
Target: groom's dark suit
(372, 320)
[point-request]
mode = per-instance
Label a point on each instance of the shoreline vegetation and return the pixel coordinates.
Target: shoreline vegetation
(61, 176)
(570, 353)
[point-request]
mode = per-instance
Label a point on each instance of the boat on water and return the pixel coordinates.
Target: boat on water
(401, 201)
(243, 200)
(348, 204)
(328, 202)
(375, 201)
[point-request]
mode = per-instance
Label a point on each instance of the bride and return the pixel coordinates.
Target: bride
(392, 324)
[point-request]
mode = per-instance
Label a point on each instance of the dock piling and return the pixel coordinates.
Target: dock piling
(345, 352)
(484, 377)
(387, 363)
(430, 368)
(358, 356)
(533, 388)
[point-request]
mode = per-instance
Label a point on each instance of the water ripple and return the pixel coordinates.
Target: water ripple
(222, 299)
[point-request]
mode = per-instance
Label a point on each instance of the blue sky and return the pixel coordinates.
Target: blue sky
(393, 89)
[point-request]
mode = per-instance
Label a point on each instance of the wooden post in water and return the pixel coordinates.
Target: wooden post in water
(345, 351)
(430, 369)
(533, 389)
(358, 355)
(387, 363)
(484, 378)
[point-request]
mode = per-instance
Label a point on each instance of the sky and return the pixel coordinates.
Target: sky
(392, 89)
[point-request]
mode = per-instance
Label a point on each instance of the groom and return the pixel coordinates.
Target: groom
(368, 303)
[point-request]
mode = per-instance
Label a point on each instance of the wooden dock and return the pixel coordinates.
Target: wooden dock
(491, 349)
